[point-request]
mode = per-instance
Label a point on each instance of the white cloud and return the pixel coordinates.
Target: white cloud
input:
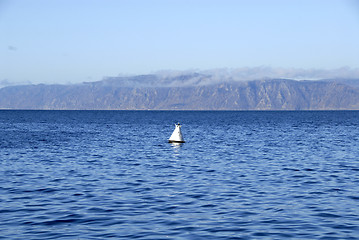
(213, 76)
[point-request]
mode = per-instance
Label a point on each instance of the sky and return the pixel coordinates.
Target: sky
(71, 41)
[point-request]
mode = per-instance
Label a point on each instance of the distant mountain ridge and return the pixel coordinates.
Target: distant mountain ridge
(185, 92)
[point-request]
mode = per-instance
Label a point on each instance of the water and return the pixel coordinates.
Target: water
(240, 175)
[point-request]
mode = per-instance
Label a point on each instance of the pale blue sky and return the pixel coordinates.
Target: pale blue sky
(85, 40)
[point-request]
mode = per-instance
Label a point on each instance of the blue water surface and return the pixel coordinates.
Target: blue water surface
(240, 175)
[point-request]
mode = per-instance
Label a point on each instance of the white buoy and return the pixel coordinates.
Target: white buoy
(176, 136)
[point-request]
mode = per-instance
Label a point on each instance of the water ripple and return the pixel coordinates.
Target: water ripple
(252, 175)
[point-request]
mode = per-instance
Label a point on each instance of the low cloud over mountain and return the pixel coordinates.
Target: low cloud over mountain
(214, 76)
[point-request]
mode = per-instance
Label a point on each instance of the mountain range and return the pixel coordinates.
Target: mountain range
(190, 91)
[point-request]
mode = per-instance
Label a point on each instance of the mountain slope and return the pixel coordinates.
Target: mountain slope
(252, 95)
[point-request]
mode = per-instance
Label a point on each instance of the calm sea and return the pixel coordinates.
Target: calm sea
(240, 175)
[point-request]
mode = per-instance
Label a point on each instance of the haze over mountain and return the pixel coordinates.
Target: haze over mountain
(210, 90)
